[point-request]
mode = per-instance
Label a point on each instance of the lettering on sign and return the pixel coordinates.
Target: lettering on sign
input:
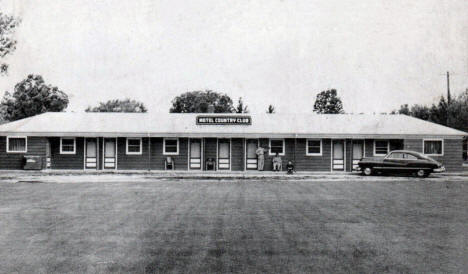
(224, 120)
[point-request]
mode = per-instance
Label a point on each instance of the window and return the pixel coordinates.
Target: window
(314, 147)
(433, 147)
(67, 145)
(17, 144)
(134, 146)
(410, 156)
(396, 155)
(171, 146)
(381, 147)
(276, 146)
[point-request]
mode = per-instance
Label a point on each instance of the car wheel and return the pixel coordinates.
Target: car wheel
(367, 171)
(422, 173)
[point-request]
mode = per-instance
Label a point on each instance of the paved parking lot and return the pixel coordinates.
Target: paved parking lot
(376, 224)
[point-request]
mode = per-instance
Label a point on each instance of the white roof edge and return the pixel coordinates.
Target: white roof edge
(232, 135)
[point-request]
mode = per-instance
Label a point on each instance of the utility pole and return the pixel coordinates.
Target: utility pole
(448, 88)
(448, 99)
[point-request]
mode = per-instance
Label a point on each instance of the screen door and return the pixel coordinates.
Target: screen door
(91, 153)
(224, 154)
(251, 156)
(338, 155)
(195, 153)
(358, 152)
(110, 153)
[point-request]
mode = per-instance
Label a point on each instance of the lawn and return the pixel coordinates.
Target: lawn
(409, 226)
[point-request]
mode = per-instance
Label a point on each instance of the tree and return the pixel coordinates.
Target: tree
(271, 109)
(200, 102)
(328, 102)
(240, 106)
(454, 114)
(458, 112)
(118, 105)
(8, 26)
(32, 96)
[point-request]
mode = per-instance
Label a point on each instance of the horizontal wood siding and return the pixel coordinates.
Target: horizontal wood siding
(369, 148)
(238, 154)
(129, 162)
(413, 145)
(312, 163)
(349, 155)
(66, 161)
(209, 150)
(158, 160)
(100, 152)
(36, 147)
(453, 152)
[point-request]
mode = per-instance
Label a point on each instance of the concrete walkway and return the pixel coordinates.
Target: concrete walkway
(74, 176)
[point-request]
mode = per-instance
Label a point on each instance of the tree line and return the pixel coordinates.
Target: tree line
(33, 96)
(453, 114)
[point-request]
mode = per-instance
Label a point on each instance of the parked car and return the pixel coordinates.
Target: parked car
(401, 161)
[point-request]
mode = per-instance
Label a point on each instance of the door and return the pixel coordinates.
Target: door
(48, 155)
(338, 161)
(195, 154)
(358, 152)
(251, 157)
(110, 149)
(224, 154)
(91, 153)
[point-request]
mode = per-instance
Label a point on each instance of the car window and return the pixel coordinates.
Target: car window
(410, 157)
(396, 155)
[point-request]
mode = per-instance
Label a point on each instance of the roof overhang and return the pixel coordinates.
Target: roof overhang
(231, 135)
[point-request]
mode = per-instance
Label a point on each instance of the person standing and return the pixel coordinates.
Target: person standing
(260, 158)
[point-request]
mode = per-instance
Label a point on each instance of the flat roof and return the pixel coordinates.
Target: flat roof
(262, 125)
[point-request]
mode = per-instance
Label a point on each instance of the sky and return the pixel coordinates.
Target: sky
(377, 54)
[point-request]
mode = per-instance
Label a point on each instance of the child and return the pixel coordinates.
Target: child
(290, 167)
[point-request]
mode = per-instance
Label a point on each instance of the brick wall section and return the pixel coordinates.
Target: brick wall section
(452, 158)
(238, 154)
(66, 161)
(36, 146)
(158, 159)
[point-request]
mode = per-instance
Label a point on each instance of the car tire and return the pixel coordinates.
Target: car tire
(367, 171)
(422, 173)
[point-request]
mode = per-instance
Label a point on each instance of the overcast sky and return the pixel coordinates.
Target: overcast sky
(377, 54)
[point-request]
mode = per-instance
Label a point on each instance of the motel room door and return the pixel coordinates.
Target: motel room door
(251, 157)
(110, 155)
(91, 153)
(195, 154)
(358, 152)
(338, 161)
(224, 154)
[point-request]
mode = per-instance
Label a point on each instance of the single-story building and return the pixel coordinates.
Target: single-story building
(145, 141)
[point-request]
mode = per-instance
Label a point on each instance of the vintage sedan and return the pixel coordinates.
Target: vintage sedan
(401, 161)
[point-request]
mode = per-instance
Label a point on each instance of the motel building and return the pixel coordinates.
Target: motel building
(219, 142)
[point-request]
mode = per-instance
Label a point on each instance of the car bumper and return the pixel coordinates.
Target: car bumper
(439, 170)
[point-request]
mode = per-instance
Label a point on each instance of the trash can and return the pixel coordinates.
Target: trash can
(32, 162)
